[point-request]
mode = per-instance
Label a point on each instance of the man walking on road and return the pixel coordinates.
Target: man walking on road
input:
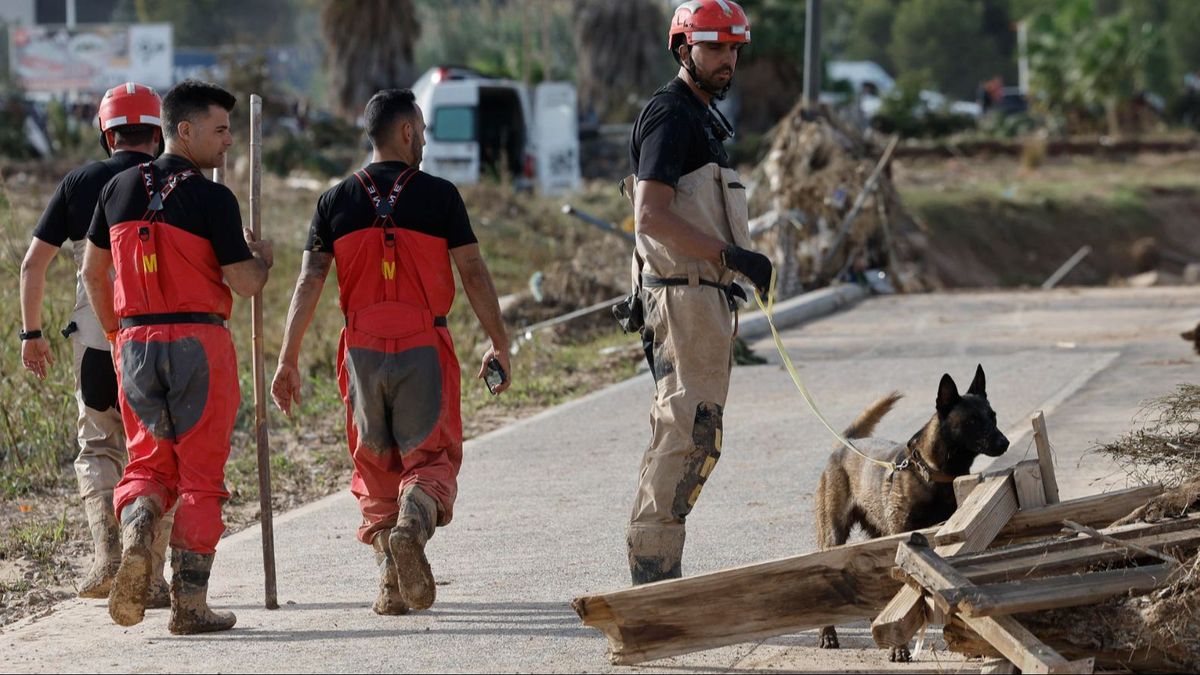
(393, 231)
(130, 132)
(690, 209)
(176, 240)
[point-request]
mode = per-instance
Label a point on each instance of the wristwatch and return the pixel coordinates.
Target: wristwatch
(30, 334)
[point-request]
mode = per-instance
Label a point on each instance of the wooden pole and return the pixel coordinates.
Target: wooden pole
(260, 386)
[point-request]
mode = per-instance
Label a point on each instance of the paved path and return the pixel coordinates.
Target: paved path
(543, 503)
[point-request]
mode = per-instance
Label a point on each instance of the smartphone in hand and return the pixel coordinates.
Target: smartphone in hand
(495, 375)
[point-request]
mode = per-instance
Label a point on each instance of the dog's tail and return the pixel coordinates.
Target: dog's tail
(865, 424)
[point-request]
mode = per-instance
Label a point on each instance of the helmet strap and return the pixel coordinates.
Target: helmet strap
(690, 66)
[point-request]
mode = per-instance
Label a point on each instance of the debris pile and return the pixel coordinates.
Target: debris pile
(829, 208)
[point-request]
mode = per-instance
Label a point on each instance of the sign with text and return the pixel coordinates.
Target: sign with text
(92, 57)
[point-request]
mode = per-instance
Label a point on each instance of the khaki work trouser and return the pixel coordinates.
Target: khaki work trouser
(688, 339)
(100, 432)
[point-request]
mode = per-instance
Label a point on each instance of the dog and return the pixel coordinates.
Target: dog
(854, 491)
(1193, 336)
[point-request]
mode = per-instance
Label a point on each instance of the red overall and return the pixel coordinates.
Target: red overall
(177, 369)
(397, 370)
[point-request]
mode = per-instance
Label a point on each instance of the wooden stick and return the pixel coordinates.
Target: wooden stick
(1023, 648)
(1045, 457)
(1091, 532)
(1035, 595)
(260, 387)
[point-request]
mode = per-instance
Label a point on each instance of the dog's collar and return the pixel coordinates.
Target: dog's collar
(926, 472)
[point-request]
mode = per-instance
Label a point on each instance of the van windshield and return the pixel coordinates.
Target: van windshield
(454, 124)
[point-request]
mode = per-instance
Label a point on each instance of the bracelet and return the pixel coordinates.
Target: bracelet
(111, 335)
(30, 334)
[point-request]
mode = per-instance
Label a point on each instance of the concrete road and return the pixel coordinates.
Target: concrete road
(543, 503)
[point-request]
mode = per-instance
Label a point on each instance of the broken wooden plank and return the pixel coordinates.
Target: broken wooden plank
(1133, 546)
(1027, 478)
(1055, 592)
(841, 585)
(1102, 509)
(963, 485)
(1000, 666)
(977, 521)
(1021, 647)
(1045, 457)
(930, 570)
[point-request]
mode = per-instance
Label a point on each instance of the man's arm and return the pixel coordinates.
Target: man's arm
(314, 268)
(477, 282)
(652, 202)
(249, 276)
(96, 264)
(35, 353)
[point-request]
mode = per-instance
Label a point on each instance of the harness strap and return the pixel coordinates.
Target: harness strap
(926, 472)
(158, 197)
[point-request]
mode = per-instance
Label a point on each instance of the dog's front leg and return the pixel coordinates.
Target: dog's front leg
(829, 638)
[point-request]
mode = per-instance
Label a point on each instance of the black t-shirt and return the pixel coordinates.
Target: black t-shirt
(196, 205)
(427, 204)
(674, 135)
(70, 210)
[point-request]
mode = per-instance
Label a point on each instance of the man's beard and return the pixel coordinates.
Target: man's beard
(711, 83)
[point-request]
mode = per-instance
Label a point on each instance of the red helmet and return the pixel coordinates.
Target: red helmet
(709, 21)
(126, 104)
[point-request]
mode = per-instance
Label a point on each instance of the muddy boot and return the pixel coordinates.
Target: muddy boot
(655, 553)
(389, 602)
(139, 524)
(106, 542)
(159, 595)
(414, 527)
(189, 596)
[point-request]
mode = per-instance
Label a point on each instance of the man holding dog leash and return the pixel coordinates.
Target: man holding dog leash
(690, 209)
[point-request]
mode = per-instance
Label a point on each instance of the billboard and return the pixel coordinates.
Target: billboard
(91, 57)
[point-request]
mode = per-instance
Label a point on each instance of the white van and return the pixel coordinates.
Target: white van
(481, 127)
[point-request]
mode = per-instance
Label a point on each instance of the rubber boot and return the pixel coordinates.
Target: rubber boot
(139, 524)
(190, 613)
(414, 527)
(655, 553)
(389, 602)
(159, 595)
(106, 542)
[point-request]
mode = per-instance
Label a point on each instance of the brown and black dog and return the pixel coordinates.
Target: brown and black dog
(1193, 336)
(854, 491)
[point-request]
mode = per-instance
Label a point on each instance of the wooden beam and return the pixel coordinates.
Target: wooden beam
(841, 585)
(1035, 595)
(1102, 509)
(930, 570)
(1045, 457)
(1133, 546)
(1027, 478)
(985, 513)
(1022, 648)
(999, 666)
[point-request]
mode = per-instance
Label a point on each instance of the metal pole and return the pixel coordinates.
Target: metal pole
(812, 52)
(260, 386)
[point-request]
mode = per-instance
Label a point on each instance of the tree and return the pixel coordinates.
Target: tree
(622, 48)
(872, 33)
(370, 47)
(944, 37)
(211, 23)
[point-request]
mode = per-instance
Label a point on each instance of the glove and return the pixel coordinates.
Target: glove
(754, 266)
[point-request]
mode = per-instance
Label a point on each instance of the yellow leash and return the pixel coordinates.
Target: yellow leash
(768, 311)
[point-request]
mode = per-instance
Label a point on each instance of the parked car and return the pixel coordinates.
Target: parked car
(480, 126)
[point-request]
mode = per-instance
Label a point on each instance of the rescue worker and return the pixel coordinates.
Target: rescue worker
(692, 239)
(130, 133)
(393, 230)
(171, 236)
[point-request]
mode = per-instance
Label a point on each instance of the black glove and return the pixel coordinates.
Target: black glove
(754, 266)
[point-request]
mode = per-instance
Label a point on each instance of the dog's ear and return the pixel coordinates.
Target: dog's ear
(979, 384)
(947, 396)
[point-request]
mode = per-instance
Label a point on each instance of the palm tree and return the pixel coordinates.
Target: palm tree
(622, 47)
(370, 47)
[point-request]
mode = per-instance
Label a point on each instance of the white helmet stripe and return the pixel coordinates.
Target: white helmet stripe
(704, 35)
(115, 122)
(737, 30)
(725, 7)
(130, 88)
(150, 119)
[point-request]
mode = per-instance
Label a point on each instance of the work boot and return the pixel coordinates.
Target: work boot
(139, 524)
(414, 527)
(655, 553)
(389, 602)
(106, 542)
(159, 595)
(189, 596)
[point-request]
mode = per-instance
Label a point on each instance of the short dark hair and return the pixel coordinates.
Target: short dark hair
(384, 109)
(190, 98)
(134, 134)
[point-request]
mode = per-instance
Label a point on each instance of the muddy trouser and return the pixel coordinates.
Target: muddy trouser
(403, 426)
(179, 397)
(688, 340)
